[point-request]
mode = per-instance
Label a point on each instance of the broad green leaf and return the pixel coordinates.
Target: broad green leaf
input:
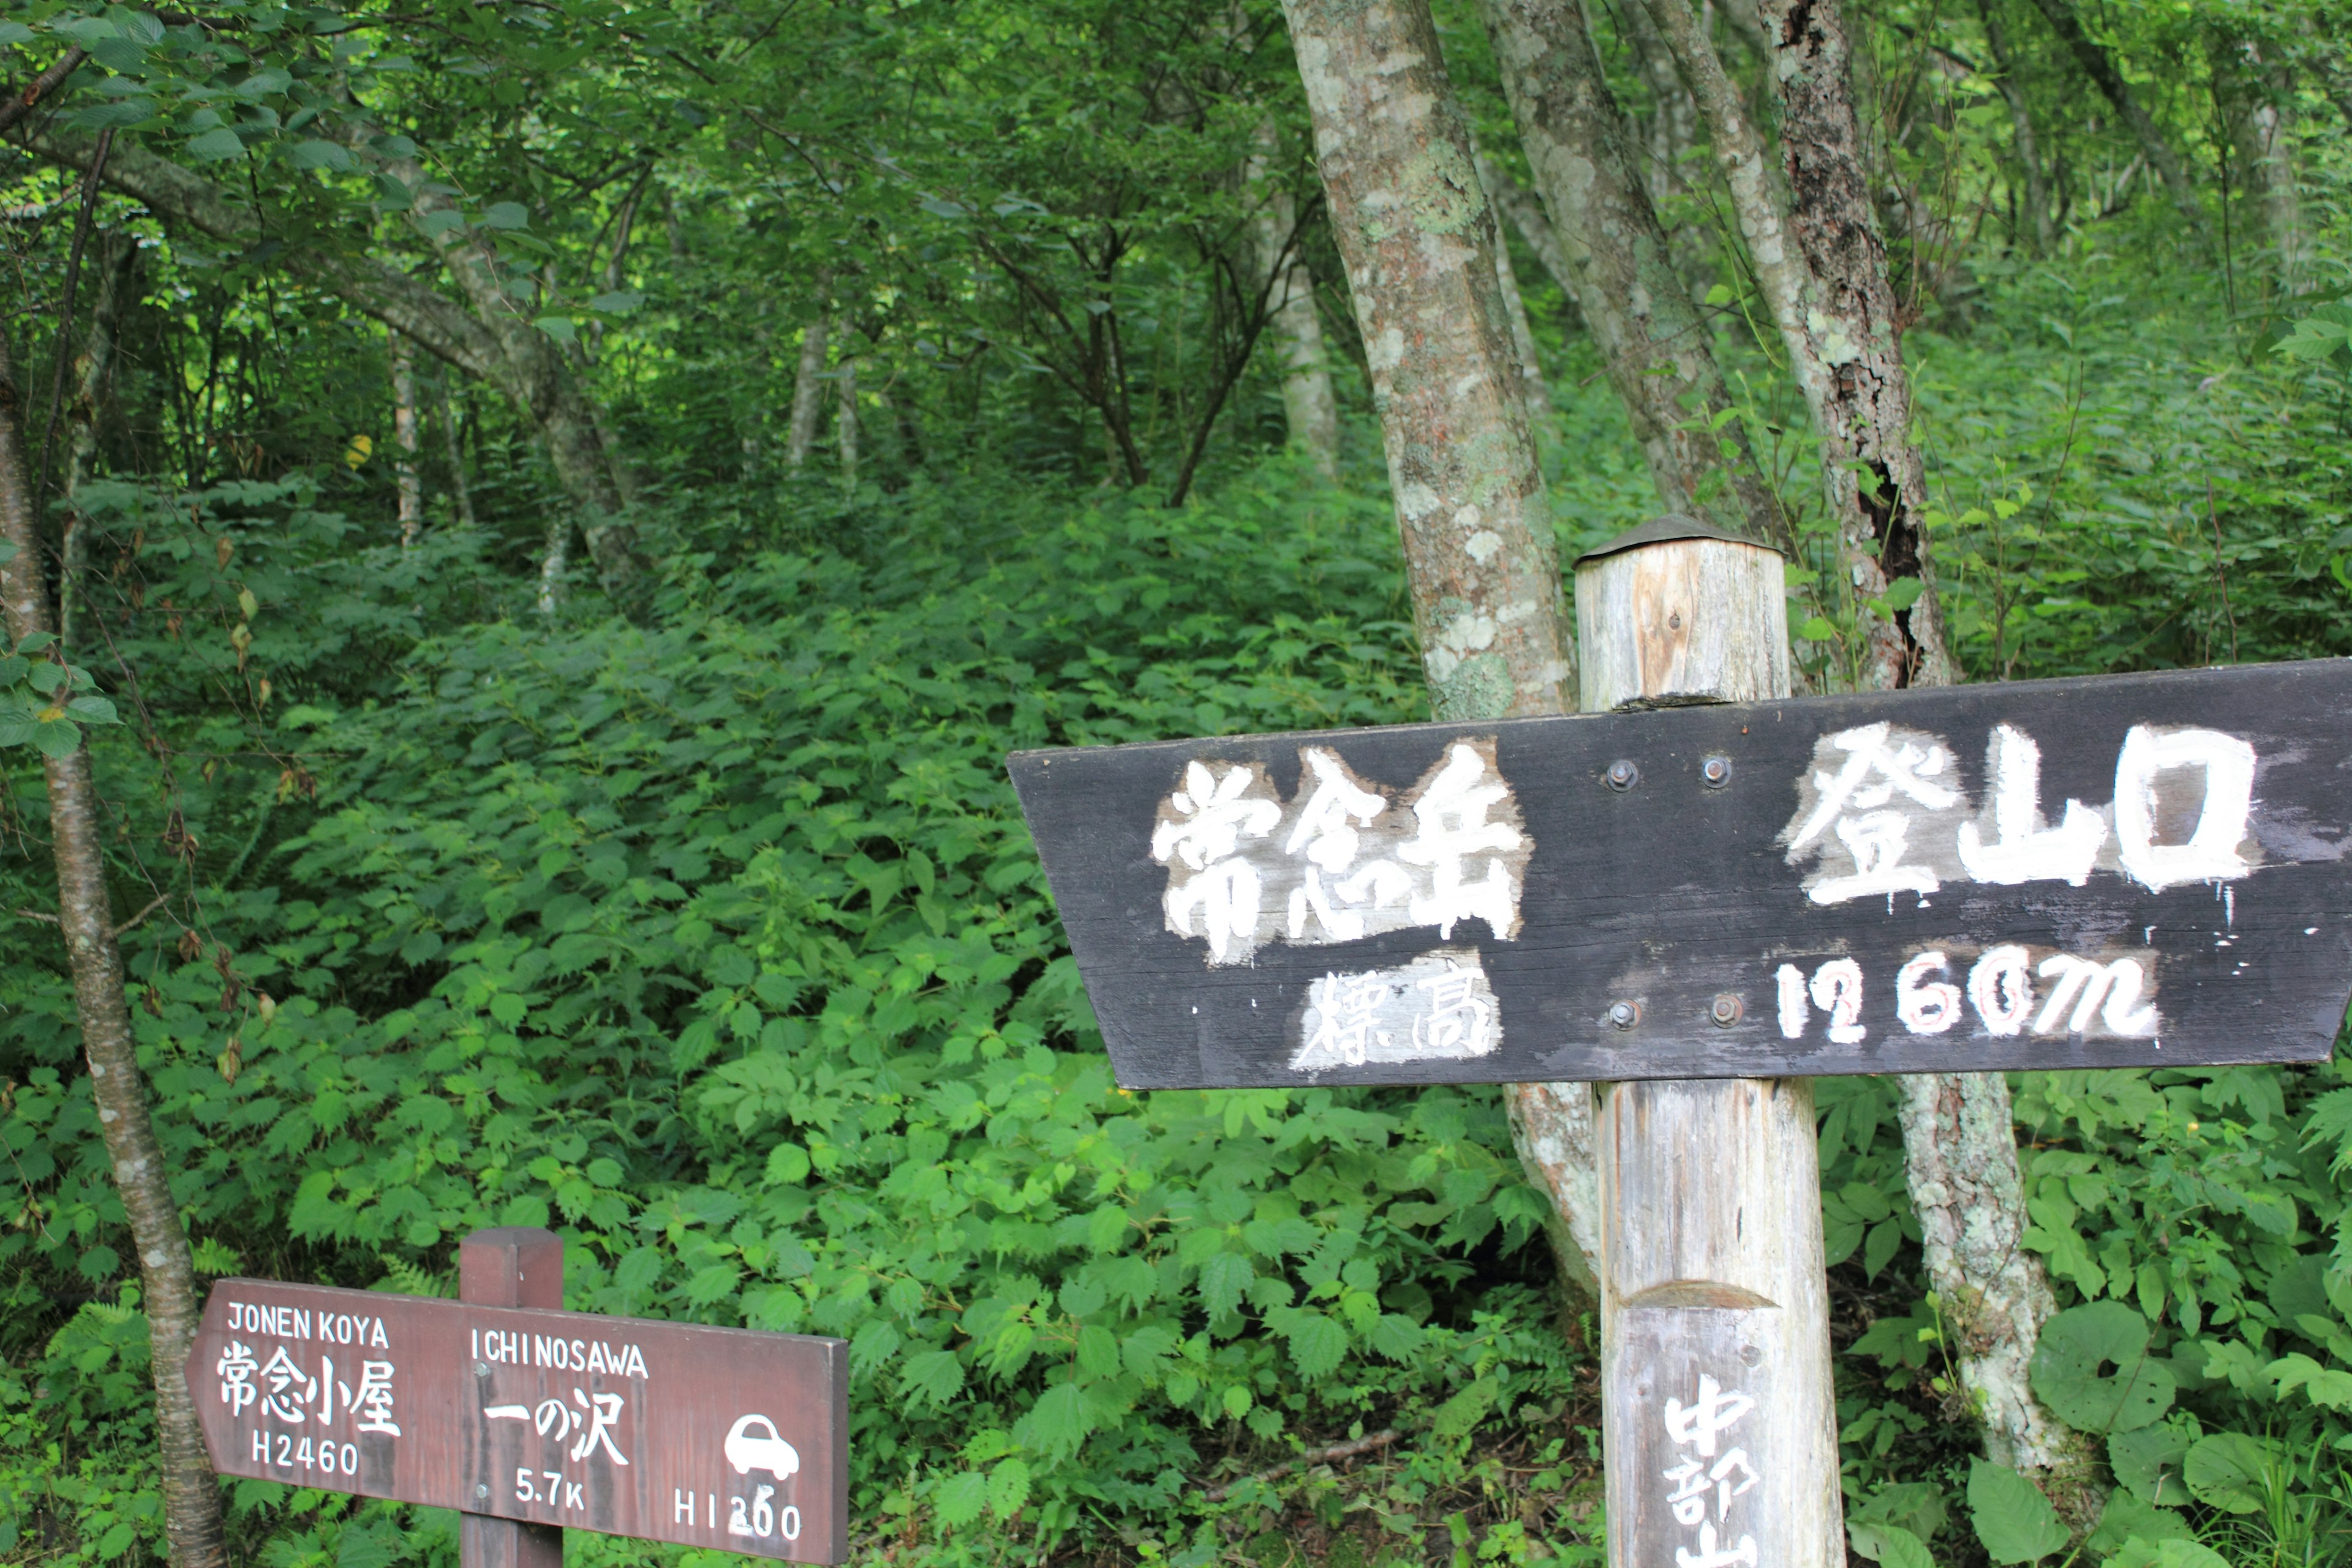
(506, 215)
(2147, 1461)
(1008, 1489)
(216, 145)
(960, 1497)
(2173, 1552)
(934, 1376)
(2128, 1517)
(2231, 1471)
(313, 153)
(1890, 1546)
(2093, 1371)
(2013, 1522)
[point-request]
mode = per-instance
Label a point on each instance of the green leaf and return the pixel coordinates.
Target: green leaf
(57, 738)
(1059, 1421)
(2147, 1461)
(933, 1376)
(506, 215)
(1222, 1279)
(2093, 1371)
(1903, 592)
(2170, 1553)
(2127, 1518)
(960, 1497)
(217, 145)
(2231, 1471)
(2014, 1520)
(1890, 1546)
(1818, 628)
(314, 154)
(619, 302)
(93, 710)
(560, 328)
(1008, 1489)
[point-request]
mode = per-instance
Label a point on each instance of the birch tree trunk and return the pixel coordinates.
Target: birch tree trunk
(808, 391)
(1418, 235)
(1310, 411)
(405, 474)
(2260, 113)
(118, 284)
(192, 1506)
(1617, 261)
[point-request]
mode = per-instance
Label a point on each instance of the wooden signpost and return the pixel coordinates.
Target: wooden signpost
(1695, 896)
(528, 1418)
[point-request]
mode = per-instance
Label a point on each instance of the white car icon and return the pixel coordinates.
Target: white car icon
(771, 1453)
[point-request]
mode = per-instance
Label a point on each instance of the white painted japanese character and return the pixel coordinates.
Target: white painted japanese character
(1688, 1499)
(1347, 1007)
(1857, 802)
(1714, 1411)
(1734, 1462)
(604, 1414)
(1211, 814)
(372, 1399)
(235, 1368)
(1451, 814)
(288, 1387)
(1706, 1556)
(2213, 852)
(1327, 835)
(2027, 850)
(1458, 1018)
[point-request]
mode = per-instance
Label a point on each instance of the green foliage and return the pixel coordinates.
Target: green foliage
(2072, 1372)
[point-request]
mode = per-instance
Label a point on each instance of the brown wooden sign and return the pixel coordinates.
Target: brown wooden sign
(709, 1437)
(2120, 871)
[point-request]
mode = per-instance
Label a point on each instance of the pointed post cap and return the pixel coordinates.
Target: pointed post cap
(1663, 529)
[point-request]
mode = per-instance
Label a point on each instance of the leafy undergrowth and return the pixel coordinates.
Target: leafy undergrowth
(718, 945)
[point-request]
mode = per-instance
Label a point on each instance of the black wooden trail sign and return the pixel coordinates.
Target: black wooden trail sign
(2116, 871)
(714, 1438)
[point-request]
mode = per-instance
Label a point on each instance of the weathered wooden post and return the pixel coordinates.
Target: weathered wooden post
(1718, 1420)
(511, 1266)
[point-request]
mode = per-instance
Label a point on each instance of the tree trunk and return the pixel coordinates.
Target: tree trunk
(845, 424)
(444, 410)
(120, 260)
(1311, 410)
(405, 475)
(1959, 1143)
(808, 391)
(2021, 127)
(192, 1506)
(1533, 388)
(2100, 65)
(1823, 271)
(2260, 114)
(1418, 237)
(1653, 340)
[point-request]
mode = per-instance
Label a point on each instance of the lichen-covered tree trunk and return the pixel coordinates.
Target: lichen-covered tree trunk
(1418, 237)
(1309, 407)
(1652, 339)
(1533, 388)
(78, 831)
(1821, 263)
(1959, 1142)
(1823, 266)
